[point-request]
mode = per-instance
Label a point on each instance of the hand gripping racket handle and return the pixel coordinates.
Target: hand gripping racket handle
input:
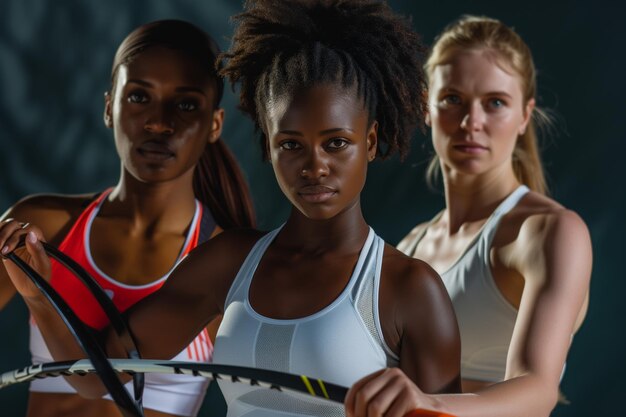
(82, 334)
(116, 320)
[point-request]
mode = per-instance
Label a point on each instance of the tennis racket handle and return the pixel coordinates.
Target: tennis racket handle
(420, 412)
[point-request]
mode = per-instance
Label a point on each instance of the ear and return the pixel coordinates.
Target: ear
(216, 125)
(372, 141)
(108, 113)
(528, 111)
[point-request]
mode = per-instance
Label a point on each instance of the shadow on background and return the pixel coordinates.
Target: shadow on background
(55, 59)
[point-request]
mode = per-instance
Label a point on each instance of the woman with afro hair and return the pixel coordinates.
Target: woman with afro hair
(331, 85)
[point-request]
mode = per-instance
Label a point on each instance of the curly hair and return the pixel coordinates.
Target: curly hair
(282, 47)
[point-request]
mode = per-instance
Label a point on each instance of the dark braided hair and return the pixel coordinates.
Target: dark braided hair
(282, 47)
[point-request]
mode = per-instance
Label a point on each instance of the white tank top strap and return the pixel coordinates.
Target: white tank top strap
(512, 200)
(504, 207)
(239, 287)
(413, 245)
(490, 225)
(489, 229)
(241, 284)
(365, 296)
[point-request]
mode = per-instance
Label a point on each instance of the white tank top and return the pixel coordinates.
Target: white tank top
(486, 319)
(341, 343)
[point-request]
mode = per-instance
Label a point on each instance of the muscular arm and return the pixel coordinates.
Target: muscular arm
(430, 346)
(553, 253)
(418, 322)
(163, 323)
(192, 297)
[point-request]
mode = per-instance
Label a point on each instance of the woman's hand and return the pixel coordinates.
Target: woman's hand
(11, 231)
(389, 393)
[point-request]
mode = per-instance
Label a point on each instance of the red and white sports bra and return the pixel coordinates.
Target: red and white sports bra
(175, 394)
(76, 245)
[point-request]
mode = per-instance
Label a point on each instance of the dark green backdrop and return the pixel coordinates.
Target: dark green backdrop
(55, 58)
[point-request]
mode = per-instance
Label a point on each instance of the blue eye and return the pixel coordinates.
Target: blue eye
(497, 103)
(137, 97)
(337, 143)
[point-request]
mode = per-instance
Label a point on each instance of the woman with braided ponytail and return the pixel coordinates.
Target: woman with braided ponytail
(331, 85)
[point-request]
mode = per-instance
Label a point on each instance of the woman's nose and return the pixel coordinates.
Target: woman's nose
(159, 121)
(474, 119)
(315, 166)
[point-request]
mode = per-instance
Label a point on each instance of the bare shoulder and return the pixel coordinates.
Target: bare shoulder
(218, 260)
(52, 213)
(408, 242)
(543, 233)
(233, 243)
(410, 278)
(542, 219)
(416, 311)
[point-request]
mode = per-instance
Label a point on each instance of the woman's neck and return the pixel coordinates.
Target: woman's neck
(344, 233)
(471, 198)
(151, 207)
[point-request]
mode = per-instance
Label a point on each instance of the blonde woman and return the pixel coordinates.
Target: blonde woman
(516, 263)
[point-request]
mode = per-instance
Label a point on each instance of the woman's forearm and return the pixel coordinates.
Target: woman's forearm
(63, 346)
(522, 396)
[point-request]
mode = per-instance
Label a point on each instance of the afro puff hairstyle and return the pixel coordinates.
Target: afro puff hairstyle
(282, 47)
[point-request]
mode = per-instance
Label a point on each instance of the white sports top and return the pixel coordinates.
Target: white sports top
(341, 343)
(486, 319)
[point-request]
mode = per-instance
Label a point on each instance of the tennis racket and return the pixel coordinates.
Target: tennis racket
(86, 339)
(279, 381)
(106, 369)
